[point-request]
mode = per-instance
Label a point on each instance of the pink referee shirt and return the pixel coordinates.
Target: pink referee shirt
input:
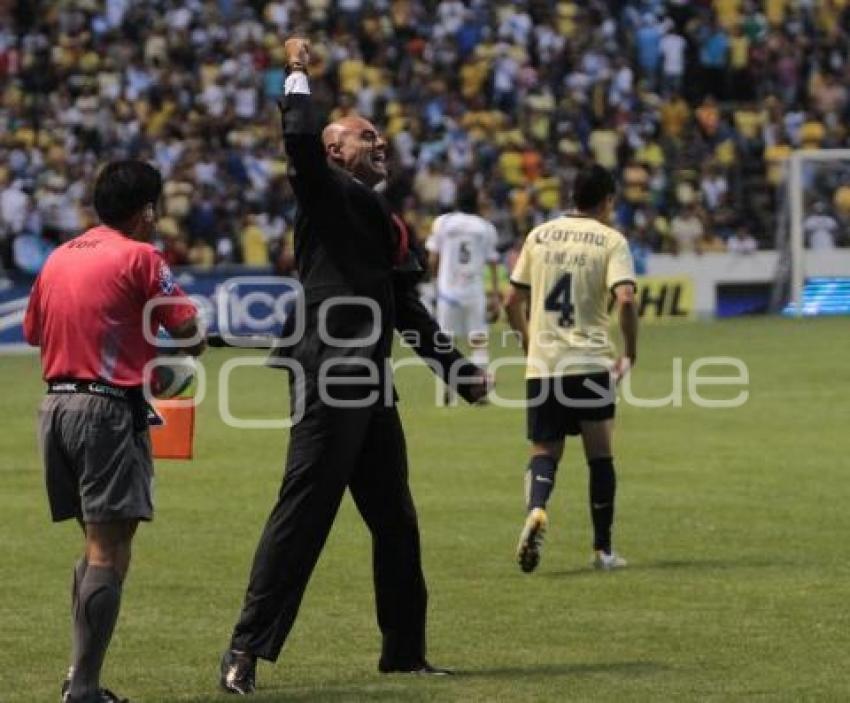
(86, 308)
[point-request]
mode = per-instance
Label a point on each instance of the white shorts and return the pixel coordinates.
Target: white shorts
(462, 317)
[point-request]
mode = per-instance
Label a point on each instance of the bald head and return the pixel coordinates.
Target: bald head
(335, 131)
(332, 134)
(354, 144)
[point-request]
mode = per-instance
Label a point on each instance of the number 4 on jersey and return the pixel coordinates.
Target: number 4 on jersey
(558, 300)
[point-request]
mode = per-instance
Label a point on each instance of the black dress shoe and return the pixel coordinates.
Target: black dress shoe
(421, 669)
(102, 695)
(238, 673)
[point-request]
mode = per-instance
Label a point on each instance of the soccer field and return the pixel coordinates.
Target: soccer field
(735, 523)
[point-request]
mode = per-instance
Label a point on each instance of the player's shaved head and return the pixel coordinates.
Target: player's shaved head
(355, 145)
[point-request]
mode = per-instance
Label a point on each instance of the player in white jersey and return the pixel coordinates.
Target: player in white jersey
(461, 246)
(563, 281)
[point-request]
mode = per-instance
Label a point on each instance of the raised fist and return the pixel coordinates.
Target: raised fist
(297, 52)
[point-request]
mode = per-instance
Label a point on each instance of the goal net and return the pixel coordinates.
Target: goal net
(814, 271)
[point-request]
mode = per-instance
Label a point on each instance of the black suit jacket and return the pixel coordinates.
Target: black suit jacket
(346, 245)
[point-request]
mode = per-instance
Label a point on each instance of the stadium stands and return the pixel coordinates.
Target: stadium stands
(696, 104)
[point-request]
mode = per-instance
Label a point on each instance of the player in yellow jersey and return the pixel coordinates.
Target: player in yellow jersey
(561, 287)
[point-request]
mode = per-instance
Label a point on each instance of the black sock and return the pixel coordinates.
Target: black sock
(603, 488)
(541, 477)
(99, 601)
(79, 574)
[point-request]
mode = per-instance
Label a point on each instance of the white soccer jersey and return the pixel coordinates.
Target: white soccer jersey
(465, 244)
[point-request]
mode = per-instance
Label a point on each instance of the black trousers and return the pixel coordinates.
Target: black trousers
(332, 449)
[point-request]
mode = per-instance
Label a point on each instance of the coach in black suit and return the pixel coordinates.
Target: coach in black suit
(346, 244)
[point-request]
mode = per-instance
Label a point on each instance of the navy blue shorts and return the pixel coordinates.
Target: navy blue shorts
(558, 404)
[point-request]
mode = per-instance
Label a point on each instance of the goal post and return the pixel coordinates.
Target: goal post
(796, 191)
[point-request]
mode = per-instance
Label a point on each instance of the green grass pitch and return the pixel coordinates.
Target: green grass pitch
(735, 522)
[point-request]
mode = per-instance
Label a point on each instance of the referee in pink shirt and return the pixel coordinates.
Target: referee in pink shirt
(87, 313)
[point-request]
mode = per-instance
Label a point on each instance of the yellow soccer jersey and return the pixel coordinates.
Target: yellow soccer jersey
(571, 264)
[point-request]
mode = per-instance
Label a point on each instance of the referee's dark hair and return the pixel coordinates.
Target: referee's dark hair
(123, 188)
(592, 185)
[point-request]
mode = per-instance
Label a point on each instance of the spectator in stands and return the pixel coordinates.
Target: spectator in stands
(829, 95)
(255, 251)
(673, 47)
(708, 119)
(641, 251)
(710, 243)
(740, 82)
(172, 242)
(14, 205)
(775, 157)
(820, 228)
(493, 89)
(742, 242)
(841, 202)
(648, 39)
(713, 45)
(812, 132)
(687, 229)
(604, 142)
(675, 115)
(713, 186)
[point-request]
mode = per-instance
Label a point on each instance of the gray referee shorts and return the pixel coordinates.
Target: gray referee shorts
(96, 466)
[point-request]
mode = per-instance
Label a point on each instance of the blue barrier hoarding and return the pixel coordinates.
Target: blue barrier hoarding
(825, 295)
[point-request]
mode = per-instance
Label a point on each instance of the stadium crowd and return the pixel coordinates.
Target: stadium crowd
(695, 104)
